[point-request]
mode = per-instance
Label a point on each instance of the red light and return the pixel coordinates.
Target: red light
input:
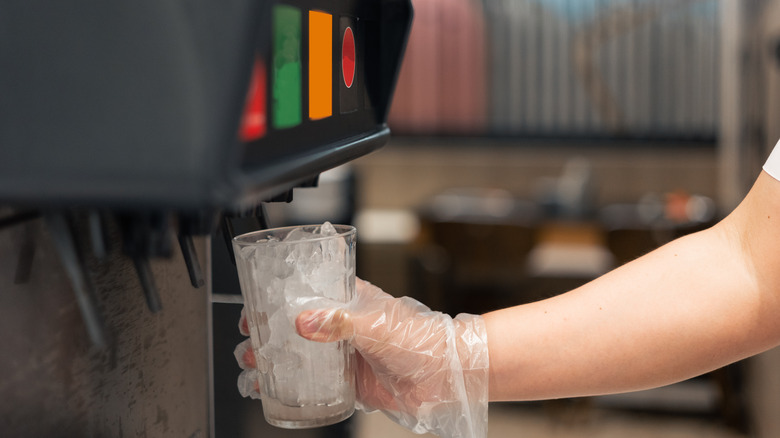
(348, 57)
(253, 124)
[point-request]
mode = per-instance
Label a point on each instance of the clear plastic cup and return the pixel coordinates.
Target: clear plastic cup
(282, 272)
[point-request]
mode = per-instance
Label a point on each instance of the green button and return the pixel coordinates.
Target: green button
(287, 106)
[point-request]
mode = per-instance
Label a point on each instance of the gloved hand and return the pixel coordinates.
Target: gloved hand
(423, 369)
(248, 383)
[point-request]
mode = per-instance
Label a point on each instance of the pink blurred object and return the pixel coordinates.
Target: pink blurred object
(442, 86)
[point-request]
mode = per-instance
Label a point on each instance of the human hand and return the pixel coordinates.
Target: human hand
(248, 382)
(423, 369)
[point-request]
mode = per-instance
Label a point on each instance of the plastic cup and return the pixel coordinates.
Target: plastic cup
(282, 272)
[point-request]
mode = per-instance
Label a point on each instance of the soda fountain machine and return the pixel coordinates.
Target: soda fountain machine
(131, 132)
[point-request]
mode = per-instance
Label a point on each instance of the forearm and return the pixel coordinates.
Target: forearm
(687, 308)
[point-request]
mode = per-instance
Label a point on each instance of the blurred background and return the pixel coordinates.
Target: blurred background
(540, 143)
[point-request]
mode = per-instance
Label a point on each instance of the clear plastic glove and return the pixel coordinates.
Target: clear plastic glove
(423, 369)
(248, 383)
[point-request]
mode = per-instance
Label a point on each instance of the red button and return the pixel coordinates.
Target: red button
(253, 123)
(348, 57)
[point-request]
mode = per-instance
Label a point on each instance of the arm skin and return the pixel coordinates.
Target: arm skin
(689, 307)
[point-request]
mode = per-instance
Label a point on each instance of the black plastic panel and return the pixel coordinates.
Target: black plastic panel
(137, 105)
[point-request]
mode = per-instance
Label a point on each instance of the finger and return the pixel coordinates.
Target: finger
(249, 359)
(335, 324)
(244, 355)
(243, 325)
(324, 325)
(248, 385)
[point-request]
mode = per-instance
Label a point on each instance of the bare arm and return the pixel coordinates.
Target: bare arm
(689, 307)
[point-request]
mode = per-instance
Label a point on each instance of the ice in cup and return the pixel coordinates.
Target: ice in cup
(282, 272)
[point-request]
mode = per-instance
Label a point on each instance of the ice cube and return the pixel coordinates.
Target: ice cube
(281, 377)
(279, 328)
(270, 266)
(305, 257)
(327, 280)
(247, 252)
(334, 249)
(325, 375)
(300, 233)
(327, 229)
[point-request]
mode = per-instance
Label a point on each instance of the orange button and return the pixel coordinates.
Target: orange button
(320, 65)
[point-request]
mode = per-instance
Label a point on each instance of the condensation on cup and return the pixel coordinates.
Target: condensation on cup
(282, 272)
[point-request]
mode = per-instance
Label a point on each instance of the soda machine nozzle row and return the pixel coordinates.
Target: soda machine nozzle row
(78, 235)
(81, 234)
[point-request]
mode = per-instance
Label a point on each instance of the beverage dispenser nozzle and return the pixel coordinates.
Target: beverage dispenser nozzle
(261, 215)
(252, 219)
(198, 224)
(96, 221)
(228, 232)
(26, 256)
(64, 237)
(191, 259)
(147, 235)
(27, 250)
(146, 278)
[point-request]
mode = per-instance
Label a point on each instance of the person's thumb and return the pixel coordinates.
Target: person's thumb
(324, 325)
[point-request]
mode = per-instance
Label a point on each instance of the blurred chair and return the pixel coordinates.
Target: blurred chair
(472, 252)
(567, 254)
(634, 229)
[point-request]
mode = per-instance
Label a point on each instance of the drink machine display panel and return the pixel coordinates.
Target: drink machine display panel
(321, 83)
(193, 104)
